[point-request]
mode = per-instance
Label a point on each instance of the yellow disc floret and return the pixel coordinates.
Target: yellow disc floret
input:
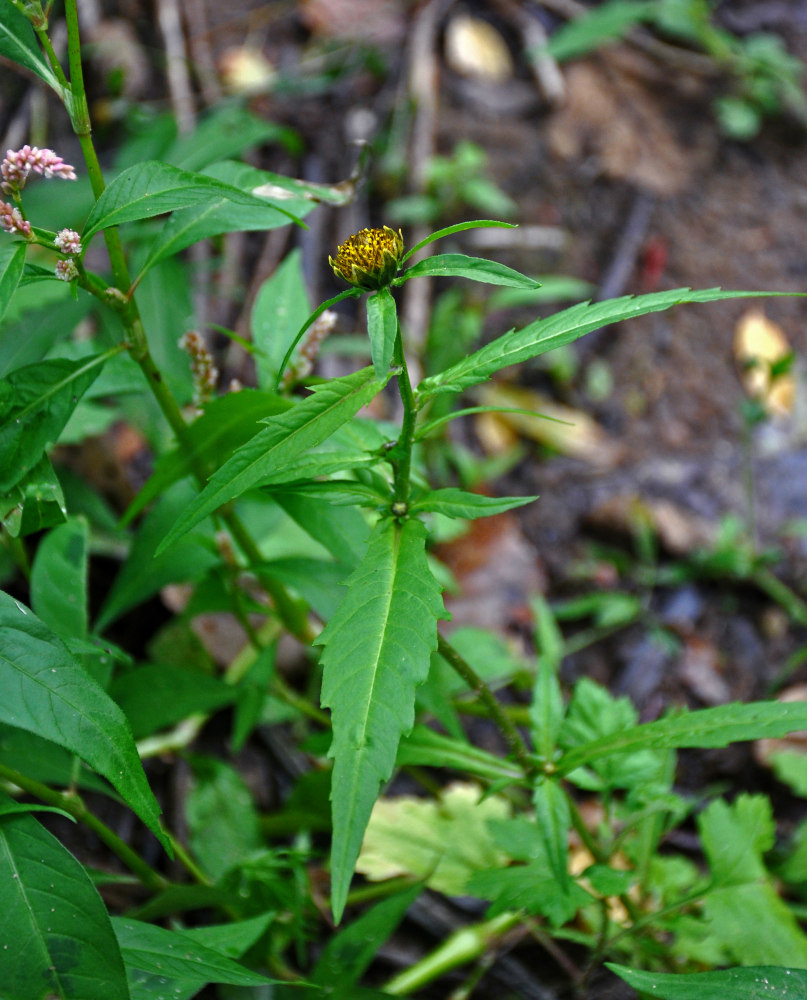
(370, 258)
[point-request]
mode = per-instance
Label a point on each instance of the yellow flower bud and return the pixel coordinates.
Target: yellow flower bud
(369, 259)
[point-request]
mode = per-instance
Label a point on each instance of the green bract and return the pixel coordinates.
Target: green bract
(370, 258)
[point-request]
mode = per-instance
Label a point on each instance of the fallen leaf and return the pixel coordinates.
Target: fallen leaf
(474, 48)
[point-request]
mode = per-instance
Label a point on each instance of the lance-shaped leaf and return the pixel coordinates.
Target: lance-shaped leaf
(564, 327)
(382, 326)
(12, 263)
(377, 650)
(35, 404)
(153, 188)
(18, 44)
(46, 692)
(57, 937)
(460, 503)
(709, 727)
(458, 265)
(34, 503)
(758, 982)
(266, 457)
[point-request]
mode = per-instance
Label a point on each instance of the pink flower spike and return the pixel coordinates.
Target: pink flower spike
(66, 270)
(19, 163)
(68, 241)
(11, 220)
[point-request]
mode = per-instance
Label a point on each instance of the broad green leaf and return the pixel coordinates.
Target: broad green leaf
(317, 581)
(708, 727)
(382, 328)
(34, 503)
(30, 333)
(546, 708)
(458, 265)
(56, 933)
(458, 228)
(563, 328)
(226, 131)
(280, 308)
(12, 262)
(426, 748)
(761, 982)
(736, 836)
(553, 818)
(348, 293)
(153, 188)
(155, 696)
(376, 651)
(218, 213)
(222, 818)
(18, 44)
(349, 953)
(46, 692)
(45, 761)
(59, 579)
(227, 423)
(144, 572)
(150, 951)
(233, 939)
(341, 530)
(597, 28)
(460, 503)
(264, 459)
(35, 404)
(444, 843)
(252, 693)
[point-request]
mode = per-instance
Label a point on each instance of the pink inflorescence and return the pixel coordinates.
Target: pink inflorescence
(66, 270)
(68, 241)
(11, 220)
(19, 163)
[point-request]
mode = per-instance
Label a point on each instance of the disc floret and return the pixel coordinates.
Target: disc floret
(370, 258)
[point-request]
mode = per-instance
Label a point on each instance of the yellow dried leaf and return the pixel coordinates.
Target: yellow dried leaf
(475, 48)
(760, 343)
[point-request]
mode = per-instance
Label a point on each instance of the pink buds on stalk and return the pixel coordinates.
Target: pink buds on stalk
(19, 163)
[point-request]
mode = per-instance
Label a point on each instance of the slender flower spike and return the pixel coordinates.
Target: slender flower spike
(11, 220)
(369, 259)
(19, 163)
(66, 270)
(68, 241)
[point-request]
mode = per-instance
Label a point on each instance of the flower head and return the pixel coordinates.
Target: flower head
(12, 221)
(68, 241)
(66, 270)
(19, 163)
(369, 259)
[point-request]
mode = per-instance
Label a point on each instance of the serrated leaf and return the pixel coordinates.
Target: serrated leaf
(153, 188)
(761, 982)
(708, 727)
(18, 44)
(59, 579)
(264, 459)
(226, 423)
(461, 503)
(553, 818)
(382, 328)
(35, 404)
(12, 263)
(563, 328)
(376, 651)
(46, 692)
(173, 955)
(58, 940)
(459, 265)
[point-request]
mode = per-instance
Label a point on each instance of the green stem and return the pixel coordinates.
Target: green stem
(53, 59)
(506, 726)
(74, 805)
(403, 449)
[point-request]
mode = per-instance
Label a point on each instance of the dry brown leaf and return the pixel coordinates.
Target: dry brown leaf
(758, 344)
(474, 48)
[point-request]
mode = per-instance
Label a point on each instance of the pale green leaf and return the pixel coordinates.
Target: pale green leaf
(46, 692)
(34, 503)
(762, 982)
(376, 651)
(458, 265)
(12, 262)
(460, 503)
(280, 309)
(56, 933)
(563, 328)
(382, 328)
(709, 727)
(266, 457)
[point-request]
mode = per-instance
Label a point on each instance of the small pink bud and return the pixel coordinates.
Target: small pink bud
(66, 270)
(68, 241)
(11, 220)
(19, 163)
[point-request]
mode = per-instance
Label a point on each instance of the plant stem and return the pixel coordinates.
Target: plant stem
(74, 805)
(506, 726)
(403, 449)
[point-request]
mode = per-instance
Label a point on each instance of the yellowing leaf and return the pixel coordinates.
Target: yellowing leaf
(759, 343)
(442, 842)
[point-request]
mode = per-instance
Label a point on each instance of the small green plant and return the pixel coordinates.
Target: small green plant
(299, 516)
